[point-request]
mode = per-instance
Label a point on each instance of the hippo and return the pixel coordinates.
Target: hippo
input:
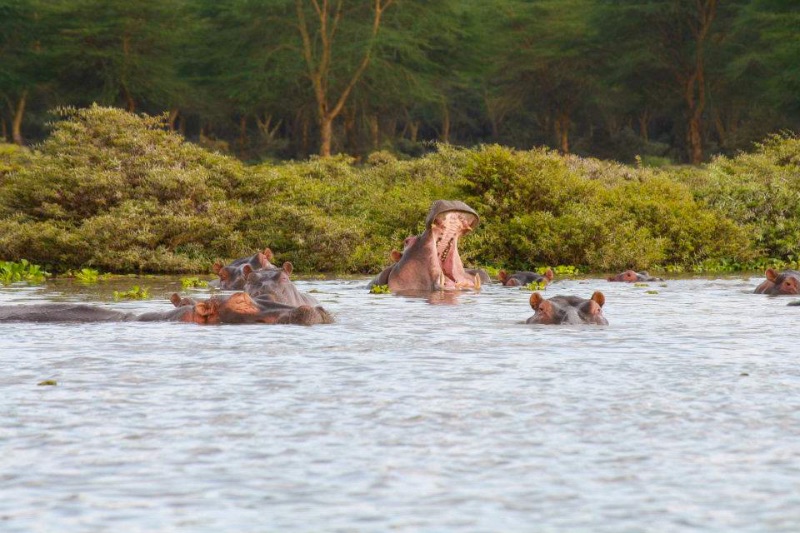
(631, 276)
(568, 310)
(274, 284)
(431, 262)
(231, 276)
(383, 277)
(777, 283)
(522, 278)
(83, 313)
(237, 308)
(481, 273)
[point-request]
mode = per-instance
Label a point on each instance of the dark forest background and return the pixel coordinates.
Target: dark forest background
(668, 80)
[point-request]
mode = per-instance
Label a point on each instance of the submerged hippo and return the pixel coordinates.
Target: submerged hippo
(232, 277)
(522, 278)
(568, 310)
(237, 308)
(631, 276)
(784, 282)
(274, 284)
(431, 262)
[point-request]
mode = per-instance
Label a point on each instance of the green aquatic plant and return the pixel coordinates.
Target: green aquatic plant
(87, 275)
(561, 270)
(641, 285)
(48, 383)
(11, 272)
(535, 286)
(135, 293)
(652, 292)
(193, 283)
(380, 289)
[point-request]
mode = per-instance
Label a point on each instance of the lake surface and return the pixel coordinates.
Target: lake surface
(682, 414)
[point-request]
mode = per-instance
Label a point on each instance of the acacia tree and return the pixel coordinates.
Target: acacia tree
(319, 22)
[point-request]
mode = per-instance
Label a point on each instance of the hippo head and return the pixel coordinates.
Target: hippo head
(431, 261)
(785, 282)
(628, 276)
(568, 310)
(230, 277)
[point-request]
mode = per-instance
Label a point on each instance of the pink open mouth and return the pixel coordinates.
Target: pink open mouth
(448, 227)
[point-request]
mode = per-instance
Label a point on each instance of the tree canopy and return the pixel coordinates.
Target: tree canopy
(674, 80)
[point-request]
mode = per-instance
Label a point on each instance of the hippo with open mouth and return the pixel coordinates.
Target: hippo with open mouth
(432, 262)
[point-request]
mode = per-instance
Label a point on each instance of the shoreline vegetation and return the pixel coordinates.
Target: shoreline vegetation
(117, 192)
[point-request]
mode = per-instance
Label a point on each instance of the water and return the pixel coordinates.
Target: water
(682, 414)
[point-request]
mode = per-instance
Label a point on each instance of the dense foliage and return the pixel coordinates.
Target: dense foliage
(116, 191)
(677, 80)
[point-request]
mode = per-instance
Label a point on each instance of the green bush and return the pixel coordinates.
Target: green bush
(761, 191)
(115, 191)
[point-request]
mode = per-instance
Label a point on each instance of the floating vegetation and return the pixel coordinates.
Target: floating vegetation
(11, 272)
(193, 283)
(135, 293)
(380, 289)
(47, 383)
(652, 292)
(535, 286)
(641, 285)
(560, 270)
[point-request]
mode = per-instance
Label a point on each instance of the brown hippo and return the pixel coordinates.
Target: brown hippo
(481, 273)
(237, 308)
(568, 310)
(631, 276)
(431, 262)
(777, 283)
(522, 278)
(274, 284)
(383, 277)
(231, 276)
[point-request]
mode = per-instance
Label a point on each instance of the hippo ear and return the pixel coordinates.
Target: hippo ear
(771, 274)
(263, 260)
(535, 300)
(287, 267)
(247, 270)
(268, 254)
(549, 274)
(216, 267)
(175, 299)
(502, 276)
(224, 274)
(395, 255)
(598, 298)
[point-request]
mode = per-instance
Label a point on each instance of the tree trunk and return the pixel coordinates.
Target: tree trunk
(3, 130)
(350, 131)
(173, 116)
(562, 123)
(374, 131)
(242, 140)
(445, 138)
(325, 135)
(413, 126)
(130, 101)
(644, 120)
(16, 125)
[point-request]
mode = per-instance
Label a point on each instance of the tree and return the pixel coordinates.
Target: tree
(24, 29)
